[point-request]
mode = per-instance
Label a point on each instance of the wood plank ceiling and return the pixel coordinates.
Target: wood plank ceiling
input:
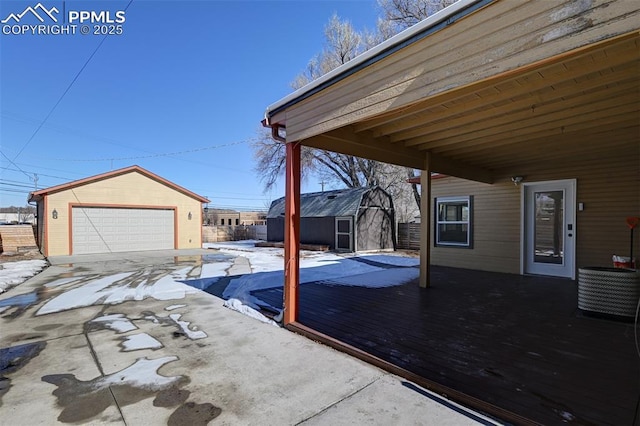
(578, 104)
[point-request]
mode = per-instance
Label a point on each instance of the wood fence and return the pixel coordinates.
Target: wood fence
(409, 236)
(218, 233)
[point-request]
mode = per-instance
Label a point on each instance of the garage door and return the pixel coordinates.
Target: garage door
(108, 230)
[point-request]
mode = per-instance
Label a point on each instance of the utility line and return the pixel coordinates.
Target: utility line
(17, 167)
(39, 174)
(63, 94)
(17, 185)
(166, 154)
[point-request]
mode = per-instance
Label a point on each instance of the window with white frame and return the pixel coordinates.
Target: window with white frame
(453, 221)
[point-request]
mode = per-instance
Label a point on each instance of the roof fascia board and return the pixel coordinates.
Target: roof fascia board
(36, 195)
(433, 23)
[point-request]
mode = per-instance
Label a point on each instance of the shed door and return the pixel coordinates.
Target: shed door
(108, 230)
(344, 233)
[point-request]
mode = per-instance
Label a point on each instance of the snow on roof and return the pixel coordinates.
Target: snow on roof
(442, 18)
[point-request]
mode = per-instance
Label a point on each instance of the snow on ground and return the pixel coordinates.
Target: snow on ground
(184, 326)
(393, 259)
(382, 278)
(140, 341)
(244, 309)
(118, 288)
(266, 272)
(267, 265)
(117, 322)
(142, 374)
(14, 273)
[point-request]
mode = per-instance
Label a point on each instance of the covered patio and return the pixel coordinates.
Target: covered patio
(485, 91)
(513, 346)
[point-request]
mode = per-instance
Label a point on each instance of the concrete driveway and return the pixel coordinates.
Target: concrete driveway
(120, 339)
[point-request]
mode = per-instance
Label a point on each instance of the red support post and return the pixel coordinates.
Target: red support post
(292, 233)
(425, 224)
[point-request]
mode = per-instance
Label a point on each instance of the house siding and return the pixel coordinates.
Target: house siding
(607, 184)
(511, 35)
(127, 190)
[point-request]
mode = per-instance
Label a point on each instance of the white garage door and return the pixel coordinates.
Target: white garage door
(107, 230)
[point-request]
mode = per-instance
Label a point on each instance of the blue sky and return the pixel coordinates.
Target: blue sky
(182, 76)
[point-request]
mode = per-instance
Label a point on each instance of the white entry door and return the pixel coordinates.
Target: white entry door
(549, 228)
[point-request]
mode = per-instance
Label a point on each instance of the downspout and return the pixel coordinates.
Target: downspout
(275, 133)
(291, 225)
(275, 130)
(39, 227)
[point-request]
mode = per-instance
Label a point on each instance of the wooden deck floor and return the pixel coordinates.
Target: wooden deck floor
(516, 342)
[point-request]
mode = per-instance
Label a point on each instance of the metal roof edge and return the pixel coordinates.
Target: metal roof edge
(438, 20)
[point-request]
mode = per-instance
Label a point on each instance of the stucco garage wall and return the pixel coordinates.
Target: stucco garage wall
(127, 190)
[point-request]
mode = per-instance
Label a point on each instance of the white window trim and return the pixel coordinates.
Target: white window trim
(469, 222)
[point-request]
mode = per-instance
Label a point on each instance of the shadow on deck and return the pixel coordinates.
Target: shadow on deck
(516, 342)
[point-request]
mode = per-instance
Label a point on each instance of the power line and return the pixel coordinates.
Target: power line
(71, 131)
(14, 191)
(63, 94)
(139, 157)
(39, 174)
(12, 162)
(17, 185)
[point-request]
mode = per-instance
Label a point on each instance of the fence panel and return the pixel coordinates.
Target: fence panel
(219, 233)
(409, 236)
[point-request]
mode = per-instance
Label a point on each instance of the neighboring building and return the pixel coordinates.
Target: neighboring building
(224, 217)
(358, 219)
(17, 215)
(16, 218)
(129, 209)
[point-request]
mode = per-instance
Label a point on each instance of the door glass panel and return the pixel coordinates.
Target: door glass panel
(549, 227)
(344, 242)
(344, 226)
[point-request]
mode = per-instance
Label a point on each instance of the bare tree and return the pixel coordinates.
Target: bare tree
(270, 158)
(342, 44)
(402, 14)
(339, 169)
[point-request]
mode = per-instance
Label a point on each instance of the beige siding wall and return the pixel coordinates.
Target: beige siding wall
(131, 189)
(608, 184)
(502, 37)
(496, 226)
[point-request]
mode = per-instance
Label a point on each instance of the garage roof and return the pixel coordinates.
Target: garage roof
(38, 195)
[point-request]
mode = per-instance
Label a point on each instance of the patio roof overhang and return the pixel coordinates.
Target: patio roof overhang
(508, 84)
(477, 91)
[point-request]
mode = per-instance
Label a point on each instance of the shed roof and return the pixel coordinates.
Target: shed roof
(38, 195)
(340, 202)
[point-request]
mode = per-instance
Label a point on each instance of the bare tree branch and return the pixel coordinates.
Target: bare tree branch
(343, 43)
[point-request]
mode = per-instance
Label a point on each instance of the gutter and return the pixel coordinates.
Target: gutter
(439, 20)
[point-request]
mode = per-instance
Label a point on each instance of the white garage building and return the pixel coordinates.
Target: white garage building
(129, 209)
